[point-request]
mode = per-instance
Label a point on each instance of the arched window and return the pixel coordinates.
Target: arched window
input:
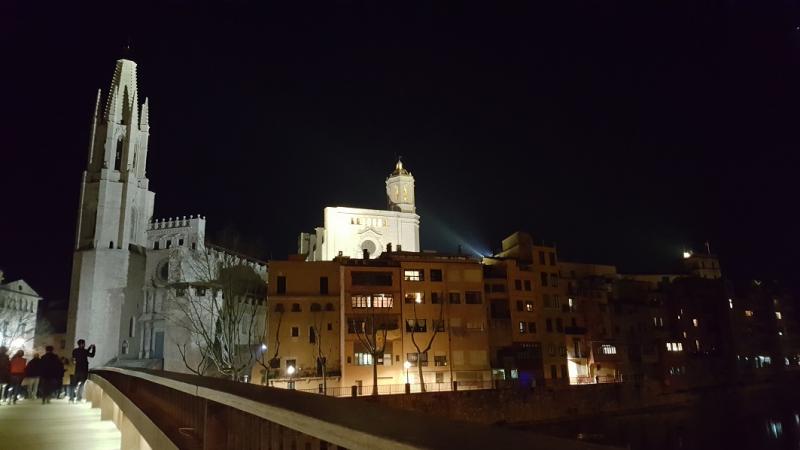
(111, 244)
(118, 155)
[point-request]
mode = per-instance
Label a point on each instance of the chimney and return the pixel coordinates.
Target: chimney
(389, 247)
(399, 248)
(366, 254)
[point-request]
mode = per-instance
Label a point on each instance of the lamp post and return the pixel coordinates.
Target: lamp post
(407, 366)
(290, 370)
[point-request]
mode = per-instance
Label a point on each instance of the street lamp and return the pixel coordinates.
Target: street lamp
(290, 370)
(407, 366)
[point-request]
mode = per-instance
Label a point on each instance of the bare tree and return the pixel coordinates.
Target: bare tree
(372, 331)
(17, 328)
(269, 363)
(322, 352)
(437, 325)
(216, 301)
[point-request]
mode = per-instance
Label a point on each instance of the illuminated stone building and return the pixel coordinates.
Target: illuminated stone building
(350, 231)
(19, 304)
(123, 260)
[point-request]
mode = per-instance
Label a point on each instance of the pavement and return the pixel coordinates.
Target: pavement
(30, 425)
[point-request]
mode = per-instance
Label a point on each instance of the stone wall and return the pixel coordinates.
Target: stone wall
(524, 405)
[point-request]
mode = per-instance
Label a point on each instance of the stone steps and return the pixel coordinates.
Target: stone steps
(29, 425)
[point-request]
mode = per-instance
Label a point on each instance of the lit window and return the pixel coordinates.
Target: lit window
(674, 346)
(778, 315)
(730, 303)
(697, 344)
(529, 306)
(414, 275)
(608, 349)
(748, 313)
(695, 323)
(522, 327)
(363, 359)
(415, 297)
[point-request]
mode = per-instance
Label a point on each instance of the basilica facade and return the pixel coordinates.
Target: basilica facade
(126, 264)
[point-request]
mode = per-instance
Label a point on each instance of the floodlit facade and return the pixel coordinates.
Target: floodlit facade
(124, 261)
(350, 231)
(18, 306)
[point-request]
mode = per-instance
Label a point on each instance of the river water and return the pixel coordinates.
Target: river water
(751, 419)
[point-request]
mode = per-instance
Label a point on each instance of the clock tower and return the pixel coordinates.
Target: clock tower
(400, 189)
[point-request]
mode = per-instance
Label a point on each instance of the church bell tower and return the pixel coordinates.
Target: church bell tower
(115, 208)
(400, 189)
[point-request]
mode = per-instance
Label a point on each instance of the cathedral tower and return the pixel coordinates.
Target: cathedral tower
(400, 189)
(115, 208)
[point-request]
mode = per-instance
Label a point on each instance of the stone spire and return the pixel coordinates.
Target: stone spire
(398, 168)
(144, 120)
(123, 95)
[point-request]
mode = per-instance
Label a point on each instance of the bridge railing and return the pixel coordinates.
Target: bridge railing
(207, 413)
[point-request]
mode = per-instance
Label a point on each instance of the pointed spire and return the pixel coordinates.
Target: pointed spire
(144, 120)
(398, 168)
(97, 103)
(123, 94)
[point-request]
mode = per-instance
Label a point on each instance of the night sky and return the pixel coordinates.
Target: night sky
(622, 131)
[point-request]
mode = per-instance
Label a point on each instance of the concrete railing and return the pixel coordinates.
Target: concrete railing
(206, 413)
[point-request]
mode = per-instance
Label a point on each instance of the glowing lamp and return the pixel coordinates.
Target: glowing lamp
(687, 255)
(290, 370)
(263, 347)
(407, 365)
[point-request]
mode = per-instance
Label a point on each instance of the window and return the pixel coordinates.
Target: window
(519, 305)
(439, 361)
(315, 307)
(608, 349)
(531, 327)
(296, 307)
(180, 292)
(330, 326)
(440, 376)
(131, 326)
(281, 285)
(362, 359)
(498, 288)
(548, 324)
(674, 346)
(416, 326)
(455, 297)
(169, 243)
(156, 245)
(527, 285)
(472, 298)
(372, 278)
(312, 335)
(194, 245)
(279, 307)
(529, 306)
(328, 306)
(778, 315)
(369, 301)
(695, 323)
(730, 303)
(323, 285)
(552, 259)
(553, 280)
(295, 331)
(438, 325)
(436, 274)
(541, 258)
(412, 359)
(180, 242)
(748, 313)
(559, 325)
(543, 277)
(415, 297)
(200, 291)
(522, 327)
(414, 275)
(518, 285)
(436, 297)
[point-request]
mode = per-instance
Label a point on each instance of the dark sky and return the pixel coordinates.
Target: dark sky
(620, 130)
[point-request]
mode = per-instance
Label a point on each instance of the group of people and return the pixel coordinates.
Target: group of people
(44, 377)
